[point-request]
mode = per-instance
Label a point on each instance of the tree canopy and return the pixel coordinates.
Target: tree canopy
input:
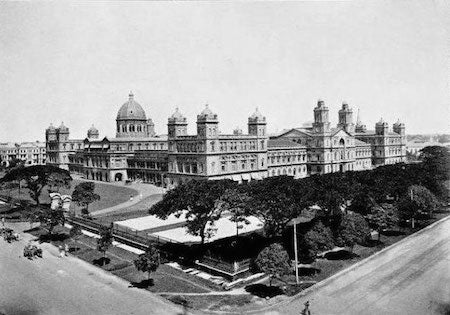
(198, 198)
(84, 195)
(105, 240)
(274, 261)
(148, 261)
(36, 177)
(353, 229)
(318, 239)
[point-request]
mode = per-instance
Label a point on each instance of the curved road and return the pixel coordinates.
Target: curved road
(411, 277)
(68, 285)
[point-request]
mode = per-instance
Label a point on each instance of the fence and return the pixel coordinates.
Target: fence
(123, 235)
(230, 270)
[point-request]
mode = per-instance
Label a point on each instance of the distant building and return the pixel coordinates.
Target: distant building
(137, 153)
(31, 153)
(414, 147)
(347, 147)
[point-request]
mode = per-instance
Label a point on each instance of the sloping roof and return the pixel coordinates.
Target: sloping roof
(283, 143)
(126, 139)
(367, 132)
(360, 143)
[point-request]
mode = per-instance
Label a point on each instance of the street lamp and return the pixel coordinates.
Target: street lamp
(294, 222)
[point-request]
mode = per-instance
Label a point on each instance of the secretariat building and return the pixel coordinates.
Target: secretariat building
(137, 153)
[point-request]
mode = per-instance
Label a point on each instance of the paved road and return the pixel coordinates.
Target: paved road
(412, 277)
(146, 193)
(53, 285)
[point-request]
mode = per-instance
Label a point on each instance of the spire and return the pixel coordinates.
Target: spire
(131, 96)
(358, 120)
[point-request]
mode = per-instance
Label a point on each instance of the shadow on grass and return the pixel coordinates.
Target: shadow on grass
(393, 233)
(308, 271)
(32, 230)
(55, 237)
(101, 261)
(372, 243)
(142, 284)
(74, 249)
(263, 291)
(340, 255)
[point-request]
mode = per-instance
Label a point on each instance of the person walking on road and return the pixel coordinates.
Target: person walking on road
(306, 310)
(66, 249)
(3, 220)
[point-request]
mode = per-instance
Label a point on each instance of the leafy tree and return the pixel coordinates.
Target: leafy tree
(383, 217)
(84, 195)
(353, 230)
(36, 177)
(199, 200)
(237, 203)
(318, 239)
(57, 181)
(105, 240)
(274, 261)
(148, 261)
(419, 201)
(362, 203)
(75, 231)
(51, 218)
(275, 202)
(15, 162)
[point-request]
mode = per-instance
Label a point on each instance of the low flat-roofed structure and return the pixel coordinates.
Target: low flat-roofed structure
(225, 228)
(152, 223)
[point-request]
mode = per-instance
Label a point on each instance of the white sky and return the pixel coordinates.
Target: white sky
(77, 62)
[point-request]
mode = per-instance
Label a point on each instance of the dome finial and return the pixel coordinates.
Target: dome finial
(131, 95)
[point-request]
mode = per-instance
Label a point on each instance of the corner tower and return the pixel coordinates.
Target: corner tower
(321, 121)
(346, 119)
(257, 124)
(177, 125)
(207, 124)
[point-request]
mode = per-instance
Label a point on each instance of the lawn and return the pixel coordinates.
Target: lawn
(110, 195)
(137, 210)
(120, 263)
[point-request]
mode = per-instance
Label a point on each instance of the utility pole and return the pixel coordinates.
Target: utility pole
(295, 252)
(412, 199)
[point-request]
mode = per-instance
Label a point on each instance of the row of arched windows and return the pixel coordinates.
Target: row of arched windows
(131, 128)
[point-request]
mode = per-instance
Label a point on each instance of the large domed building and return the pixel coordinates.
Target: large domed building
(138, 154)
(132, 121)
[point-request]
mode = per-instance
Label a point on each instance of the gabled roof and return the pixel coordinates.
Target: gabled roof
(283, 143)
(334, 131)
(359, 143)
(295, 131)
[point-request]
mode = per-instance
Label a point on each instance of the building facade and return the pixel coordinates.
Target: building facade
(31, 153)
(138, 154)
(347, 147)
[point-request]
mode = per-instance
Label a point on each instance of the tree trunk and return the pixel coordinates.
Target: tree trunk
(202, 236)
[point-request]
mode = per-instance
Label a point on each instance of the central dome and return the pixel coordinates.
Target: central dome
(131, 110)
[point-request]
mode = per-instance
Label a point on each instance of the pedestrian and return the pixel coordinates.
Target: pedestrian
(306, 310)
(61, 254)
(66, 249)
(131, 198)
(3, 220)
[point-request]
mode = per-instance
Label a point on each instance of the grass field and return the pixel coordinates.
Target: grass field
(135, 211)
(110, 195)
(120, 263)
